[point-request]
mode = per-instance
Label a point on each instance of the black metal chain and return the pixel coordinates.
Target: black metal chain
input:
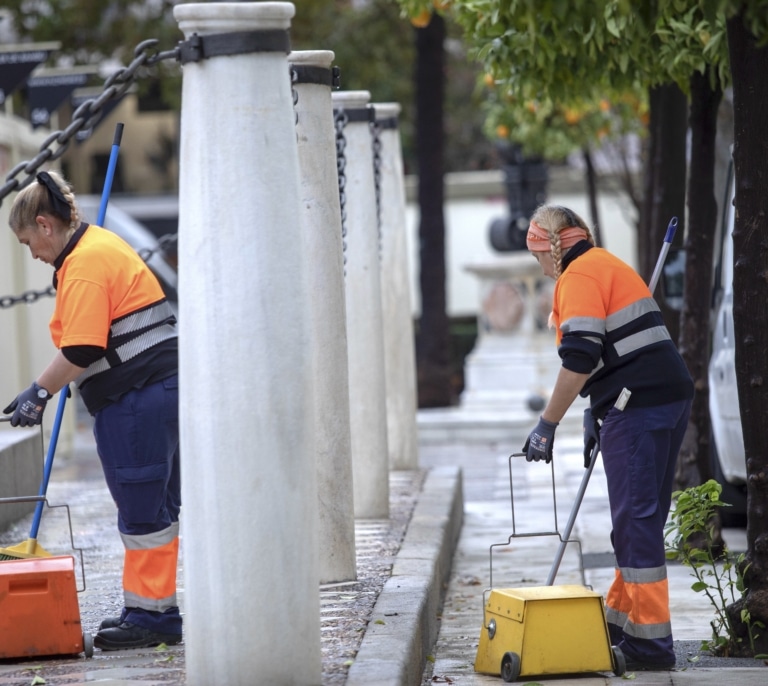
(295, 95)
(162, 243)
(340, 120)
(28, 297)
(86, 115)
(376, 144)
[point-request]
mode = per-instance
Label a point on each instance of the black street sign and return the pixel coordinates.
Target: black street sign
(18, 61)
(48, 90)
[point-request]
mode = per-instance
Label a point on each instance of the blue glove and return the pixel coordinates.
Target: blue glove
(539, 444)
(28, 406)
(591, 436)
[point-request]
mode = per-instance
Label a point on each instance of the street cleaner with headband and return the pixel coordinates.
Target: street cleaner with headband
(616, 350)
(116, 337)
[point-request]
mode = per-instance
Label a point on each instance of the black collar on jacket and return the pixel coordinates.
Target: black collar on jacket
(68, 248)
(577, 250)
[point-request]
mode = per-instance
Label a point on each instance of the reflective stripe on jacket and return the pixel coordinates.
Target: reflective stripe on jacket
(131, 335)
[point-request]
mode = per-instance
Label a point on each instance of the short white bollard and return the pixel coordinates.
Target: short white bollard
(321, 233)
(399, 346)
(367, 399)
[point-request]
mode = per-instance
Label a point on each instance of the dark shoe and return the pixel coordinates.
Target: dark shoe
(638, 666)
(129, 635)
(110, 623)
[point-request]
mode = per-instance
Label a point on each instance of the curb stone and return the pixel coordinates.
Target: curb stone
(403, 625)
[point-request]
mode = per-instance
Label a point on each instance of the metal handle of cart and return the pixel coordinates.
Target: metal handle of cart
(41, 498)
(564, 536)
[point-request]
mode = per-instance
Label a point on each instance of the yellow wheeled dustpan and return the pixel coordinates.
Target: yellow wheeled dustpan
(545, 630)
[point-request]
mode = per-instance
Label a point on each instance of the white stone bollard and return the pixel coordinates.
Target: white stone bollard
(252, 610)
(321, 233)
(399, 345)
(367, 396)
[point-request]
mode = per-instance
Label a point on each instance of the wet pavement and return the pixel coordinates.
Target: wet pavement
(522, 561)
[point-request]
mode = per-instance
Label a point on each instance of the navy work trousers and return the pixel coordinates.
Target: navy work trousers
(137, 439)
(639, 448)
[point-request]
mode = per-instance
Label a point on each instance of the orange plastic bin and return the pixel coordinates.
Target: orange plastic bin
(39, 611)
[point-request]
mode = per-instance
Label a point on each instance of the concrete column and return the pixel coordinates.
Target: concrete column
(367, 396)
(252, 610)
(321, 233)
(399, 352)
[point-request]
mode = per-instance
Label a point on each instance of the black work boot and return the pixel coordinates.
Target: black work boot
(128, 635)
(110, 623)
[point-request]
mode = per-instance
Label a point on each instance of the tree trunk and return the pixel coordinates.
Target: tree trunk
(664, 184)
(749, 65)
(693, 467)
(591, 178)
(433, 338)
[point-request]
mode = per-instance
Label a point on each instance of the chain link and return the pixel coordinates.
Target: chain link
(27, 297)
(295, 96)
(340, 120)
(376, 144)
(162, 243)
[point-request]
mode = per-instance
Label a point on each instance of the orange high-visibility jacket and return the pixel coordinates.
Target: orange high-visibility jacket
(107, 297)
(609, 326)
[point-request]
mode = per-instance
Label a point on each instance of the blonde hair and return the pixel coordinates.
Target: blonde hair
(35, 199)
(553, 219)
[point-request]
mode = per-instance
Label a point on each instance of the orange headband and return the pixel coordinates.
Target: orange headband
(538, 238)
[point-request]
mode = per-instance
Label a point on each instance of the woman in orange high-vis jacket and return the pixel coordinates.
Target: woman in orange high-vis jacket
(116, 337)
(611, 337)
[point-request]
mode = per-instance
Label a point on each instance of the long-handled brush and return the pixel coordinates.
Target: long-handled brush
(30, 547)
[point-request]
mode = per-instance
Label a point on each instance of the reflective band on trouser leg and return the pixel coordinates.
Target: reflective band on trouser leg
(648, 593)
(149, 572)
(617, 607)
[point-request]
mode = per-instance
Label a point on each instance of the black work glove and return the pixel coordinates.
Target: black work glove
(591, 436)
(538, 445)
(28, 406)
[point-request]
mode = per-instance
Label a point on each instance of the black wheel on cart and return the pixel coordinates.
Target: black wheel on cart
(87, 644)
(510, 667)
(619, 661)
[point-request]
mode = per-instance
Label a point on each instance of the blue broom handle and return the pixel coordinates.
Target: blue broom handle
(49, 462)
(110, 174)
(65, 391)
(668, 238)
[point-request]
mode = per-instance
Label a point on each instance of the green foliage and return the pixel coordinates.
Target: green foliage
(549, 59)
(688, 537)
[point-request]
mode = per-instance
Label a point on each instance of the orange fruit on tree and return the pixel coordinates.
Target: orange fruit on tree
(571, 116)
(422, 19)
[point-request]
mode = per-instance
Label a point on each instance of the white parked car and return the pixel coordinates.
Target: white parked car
(728, 462)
